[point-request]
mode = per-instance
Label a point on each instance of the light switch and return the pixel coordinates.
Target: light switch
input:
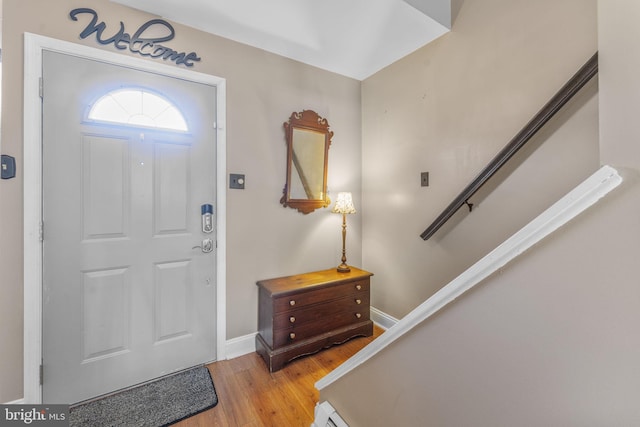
(236, 181)
(424, 179)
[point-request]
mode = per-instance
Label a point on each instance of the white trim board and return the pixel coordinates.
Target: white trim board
(382, 319)
(34, 45)
(576, 201)
(326, 415)
(240, 346)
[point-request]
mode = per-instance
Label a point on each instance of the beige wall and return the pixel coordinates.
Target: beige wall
(618, 36)
(448, 109)
(550, 339)
(264, 239)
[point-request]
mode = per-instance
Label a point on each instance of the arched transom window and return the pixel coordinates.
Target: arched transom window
(137, 107)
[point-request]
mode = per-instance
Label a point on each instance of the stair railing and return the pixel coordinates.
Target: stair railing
(571, 88)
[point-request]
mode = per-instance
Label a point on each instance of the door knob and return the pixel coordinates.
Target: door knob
(206, 247)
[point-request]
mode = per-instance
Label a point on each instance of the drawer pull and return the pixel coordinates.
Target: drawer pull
(358, 315)
(358, 301)
(358, 287)
(292, 319)
(292, 303)
(292, 335)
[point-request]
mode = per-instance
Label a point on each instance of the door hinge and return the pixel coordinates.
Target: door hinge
(41, 231)
(41, 88)
(41, 374)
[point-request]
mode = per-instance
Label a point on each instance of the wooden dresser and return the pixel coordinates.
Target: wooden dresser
(302, 314)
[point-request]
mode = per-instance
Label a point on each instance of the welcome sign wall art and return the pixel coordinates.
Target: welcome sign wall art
(137, 43)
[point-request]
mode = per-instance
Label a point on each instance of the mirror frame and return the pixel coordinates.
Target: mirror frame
(309, 120)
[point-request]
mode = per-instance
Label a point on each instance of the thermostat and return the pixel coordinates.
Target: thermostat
(7, 167)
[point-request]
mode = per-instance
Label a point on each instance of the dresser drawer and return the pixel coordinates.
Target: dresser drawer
(324, 312)
(302, 299)
(291, 335)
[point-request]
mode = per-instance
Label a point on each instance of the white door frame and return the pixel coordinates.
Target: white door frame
(33, 48)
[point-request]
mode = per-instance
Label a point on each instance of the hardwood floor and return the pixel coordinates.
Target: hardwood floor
(250, 396)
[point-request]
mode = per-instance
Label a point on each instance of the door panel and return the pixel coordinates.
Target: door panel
(126, 298)
(105, 292)
(172, 187)
(106, 187)
(172, 298)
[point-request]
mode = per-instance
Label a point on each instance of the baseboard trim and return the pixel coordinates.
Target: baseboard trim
(382, 319)
(16, 402)
(240, 346)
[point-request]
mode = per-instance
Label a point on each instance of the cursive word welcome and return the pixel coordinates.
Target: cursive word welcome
(137, 43)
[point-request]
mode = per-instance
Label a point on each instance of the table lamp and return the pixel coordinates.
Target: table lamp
(344, 206)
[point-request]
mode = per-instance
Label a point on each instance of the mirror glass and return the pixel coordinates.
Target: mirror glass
(308, 164)
(308, 139)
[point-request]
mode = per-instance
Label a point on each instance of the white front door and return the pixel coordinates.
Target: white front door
(128, 291)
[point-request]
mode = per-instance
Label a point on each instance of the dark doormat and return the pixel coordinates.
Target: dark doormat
(157, 403)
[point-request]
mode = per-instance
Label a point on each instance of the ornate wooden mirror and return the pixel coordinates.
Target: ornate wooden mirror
(308, 138)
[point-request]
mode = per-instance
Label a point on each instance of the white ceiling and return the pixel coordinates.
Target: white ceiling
(355, 38)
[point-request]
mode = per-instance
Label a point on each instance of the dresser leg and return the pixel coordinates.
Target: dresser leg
(274, 361)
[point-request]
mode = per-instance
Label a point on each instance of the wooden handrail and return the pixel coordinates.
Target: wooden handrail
(563, 96)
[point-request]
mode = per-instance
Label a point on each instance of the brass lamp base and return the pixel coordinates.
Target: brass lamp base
(343, 268)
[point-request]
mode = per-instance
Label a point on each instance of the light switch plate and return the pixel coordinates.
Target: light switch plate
(424, 179)
(236, 181)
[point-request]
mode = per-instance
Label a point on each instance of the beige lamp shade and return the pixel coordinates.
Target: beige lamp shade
(344, 204)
